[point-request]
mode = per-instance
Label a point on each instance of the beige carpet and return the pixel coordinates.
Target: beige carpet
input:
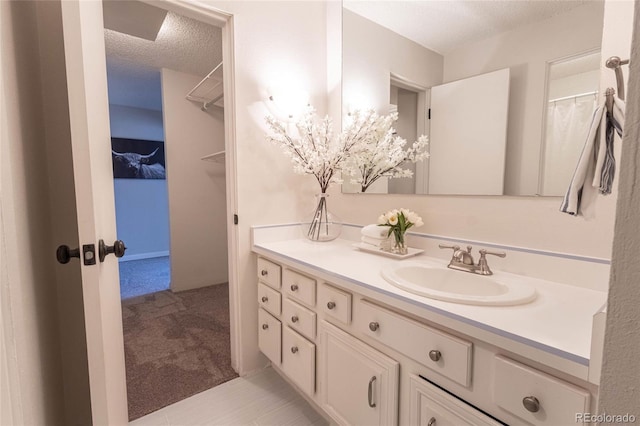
(176, 345)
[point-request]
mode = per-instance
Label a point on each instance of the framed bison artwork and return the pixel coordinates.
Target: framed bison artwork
(137, 159)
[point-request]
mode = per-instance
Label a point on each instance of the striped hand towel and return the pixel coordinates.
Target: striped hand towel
(606, 162)
(573, 202)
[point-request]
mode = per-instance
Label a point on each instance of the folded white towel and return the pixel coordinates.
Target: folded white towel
(375, 231)
(378, 242)
(580, 192)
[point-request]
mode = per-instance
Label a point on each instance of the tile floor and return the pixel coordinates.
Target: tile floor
(262, 399)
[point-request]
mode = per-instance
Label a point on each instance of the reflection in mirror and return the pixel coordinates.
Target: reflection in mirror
(399, 54)
(572, 93)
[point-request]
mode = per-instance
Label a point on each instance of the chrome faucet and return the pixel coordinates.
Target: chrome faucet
(462, 260)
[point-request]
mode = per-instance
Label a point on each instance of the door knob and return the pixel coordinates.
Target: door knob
(64, 254)
(118, 248)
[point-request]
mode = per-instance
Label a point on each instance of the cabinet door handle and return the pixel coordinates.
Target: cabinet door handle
(294, 287)
(331, 305)
(264, 272)
(374, 326)
(294, 318)
(265, 326)
(294, 349)
(435, 355)
(264, 299)
(531, 403)
(370, 392)
(432, 422)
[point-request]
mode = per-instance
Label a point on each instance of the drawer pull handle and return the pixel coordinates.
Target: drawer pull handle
(435, 355)
(531, 403)
(370, 392)
(294, 287)
(374, 326)
(432, 422)
(294, 349)
(265, 326)
(264, 299)
(264, 272)
(294, 319)
(331, 305)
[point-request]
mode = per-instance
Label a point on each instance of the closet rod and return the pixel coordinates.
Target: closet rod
(614, 63)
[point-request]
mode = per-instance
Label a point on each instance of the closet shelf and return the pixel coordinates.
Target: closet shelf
(210, 91)
(216, 157)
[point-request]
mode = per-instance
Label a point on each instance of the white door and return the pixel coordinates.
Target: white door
(360, 384)
(91, 146)
(469, 135)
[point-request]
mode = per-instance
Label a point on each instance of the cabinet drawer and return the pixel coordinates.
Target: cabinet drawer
(269, 336)
(335, 303)
(269, 273)
(299, 287)
(441, 352)
(299, 360)
(431, 406)
(269, 299)
(536, 397)
(299, 318)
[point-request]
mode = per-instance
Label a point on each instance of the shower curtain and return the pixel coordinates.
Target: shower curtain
(567, 127)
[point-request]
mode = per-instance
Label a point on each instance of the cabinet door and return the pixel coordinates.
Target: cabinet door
(269, 336)
(299, 360)
(359, 384)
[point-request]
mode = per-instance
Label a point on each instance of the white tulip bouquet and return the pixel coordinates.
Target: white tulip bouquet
(399, 221)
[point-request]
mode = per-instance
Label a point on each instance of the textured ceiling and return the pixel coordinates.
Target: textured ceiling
(133, 64)
(443, 25)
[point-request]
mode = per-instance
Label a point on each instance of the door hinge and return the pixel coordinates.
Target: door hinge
(235, 219)
(429, 114)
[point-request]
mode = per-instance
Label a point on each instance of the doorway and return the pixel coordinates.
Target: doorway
(165, 93)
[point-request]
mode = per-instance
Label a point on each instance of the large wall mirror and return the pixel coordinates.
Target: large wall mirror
(504, 90)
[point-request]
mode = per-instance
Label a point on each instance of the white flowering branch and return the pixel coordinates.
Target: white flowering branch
(379, 152)
(311, 146)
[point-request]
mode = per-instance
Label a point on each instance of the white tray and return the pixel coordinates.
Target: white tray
(375, 250)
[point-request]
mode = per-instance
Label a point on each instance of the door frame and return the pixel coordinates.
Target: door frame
(223, 20)
(422, 124)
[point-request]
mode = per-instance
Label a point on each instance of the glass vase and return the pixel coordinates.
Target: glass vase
(400, 246)
(321, 224)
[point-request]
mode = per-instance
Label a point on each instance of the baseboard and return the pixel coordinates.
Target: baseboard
(139, 256)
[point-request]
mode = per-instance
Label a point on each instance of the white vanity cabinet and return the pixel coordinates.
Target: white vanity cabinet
(360, 384)
(364, 361)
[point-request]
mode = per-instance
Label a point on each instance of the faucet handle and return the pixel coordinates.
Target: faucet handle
(483, 266)
(484, 253)
(444, 246)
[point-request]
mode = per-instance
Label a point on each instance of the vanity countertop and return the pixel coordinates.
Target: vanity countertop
(555, 329)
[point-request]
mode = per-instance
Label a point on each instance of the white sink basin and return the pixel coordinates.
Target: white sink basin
(438, 282)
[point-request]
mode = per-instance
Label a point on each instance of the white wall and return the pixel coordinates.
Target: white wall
(28, 292)
(526, 51)
(619, 391)
(277, 44)
(371, 53)
(142, 206)
(197, 204)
